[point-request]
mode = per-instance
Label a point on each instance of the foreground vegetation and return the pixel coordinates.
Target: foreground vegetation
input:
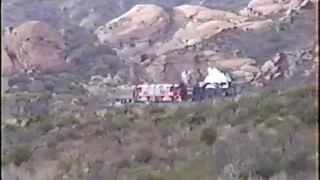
(272, 136)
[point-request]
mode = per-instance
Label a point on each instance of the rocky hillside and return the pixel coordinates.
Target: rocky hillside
(61, 60)
(80, 50)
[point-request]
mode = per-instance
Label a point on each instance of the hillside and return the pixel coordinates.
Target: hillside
(273, 136)
(161, 45)
(63, 59)
(64, 55)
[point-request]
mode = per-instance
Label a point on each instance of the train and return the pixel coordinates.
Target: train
(216, 84)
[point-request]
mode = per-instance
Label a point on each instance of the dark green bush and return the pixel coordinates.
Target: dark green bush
(209, 136)
(311, 117)
(143, 155)
(124, 163)
(45, 127)
(195, 119)
(19, 154)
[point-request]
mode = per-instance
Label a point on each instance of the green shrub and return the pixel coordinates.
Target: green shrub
(195, 119)
(19, 154)
(306, 111)
(311, 116)
(209, 136)
(124, 163)
(45, 127)
(143, 155)
(269, 107)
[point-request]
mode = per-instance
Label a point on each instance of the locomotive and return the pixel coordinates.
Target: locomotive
(216, 84)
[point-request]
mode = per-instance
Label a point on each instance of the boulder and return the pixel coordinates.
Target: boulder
(277, 58)
(276, 75)
(255, 25)
(257, 84)
(239, 74)
(206, 14)
(249, 76)
(34, 44)
(256, 3)
(209, 53)
(12, 122)
(7, 64)
(141, 21)
(269, 7)
(235, 63)
(187, 33)
(211, 28)
(249, 68)
(314, 1)
(267, 66)
(163, 48)
(195, 32)
(38, 30)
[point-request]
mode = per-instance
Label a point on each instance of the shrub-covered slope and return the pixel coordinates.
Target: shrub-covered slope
(272, 135)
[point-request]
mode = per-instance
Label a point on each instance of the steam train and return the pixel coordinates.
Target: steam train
(158, 93)
(216, 84)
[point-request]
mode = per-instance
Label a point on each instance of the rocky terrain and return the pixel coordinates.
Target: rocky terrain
(62, 60)
(81, 50)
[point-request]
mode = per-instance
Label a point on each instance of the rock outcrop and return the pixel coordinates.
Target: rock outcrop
(205, 14)
(160, 42)
(271, 7)
(142, 21)
(33, 44)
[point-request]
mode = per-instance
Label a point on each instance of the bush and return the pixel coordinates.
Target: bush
(19, 154)
(195, 119)
(270, 106)
(124, 163)
(209, 136)
(144, 156)
(45, 127)
(310, 116)
(267, 170)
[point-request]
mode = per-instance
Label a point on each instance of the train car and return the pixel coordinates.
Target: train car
(160, 93)
(150, 93)
(214, 85)
(124, 94)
